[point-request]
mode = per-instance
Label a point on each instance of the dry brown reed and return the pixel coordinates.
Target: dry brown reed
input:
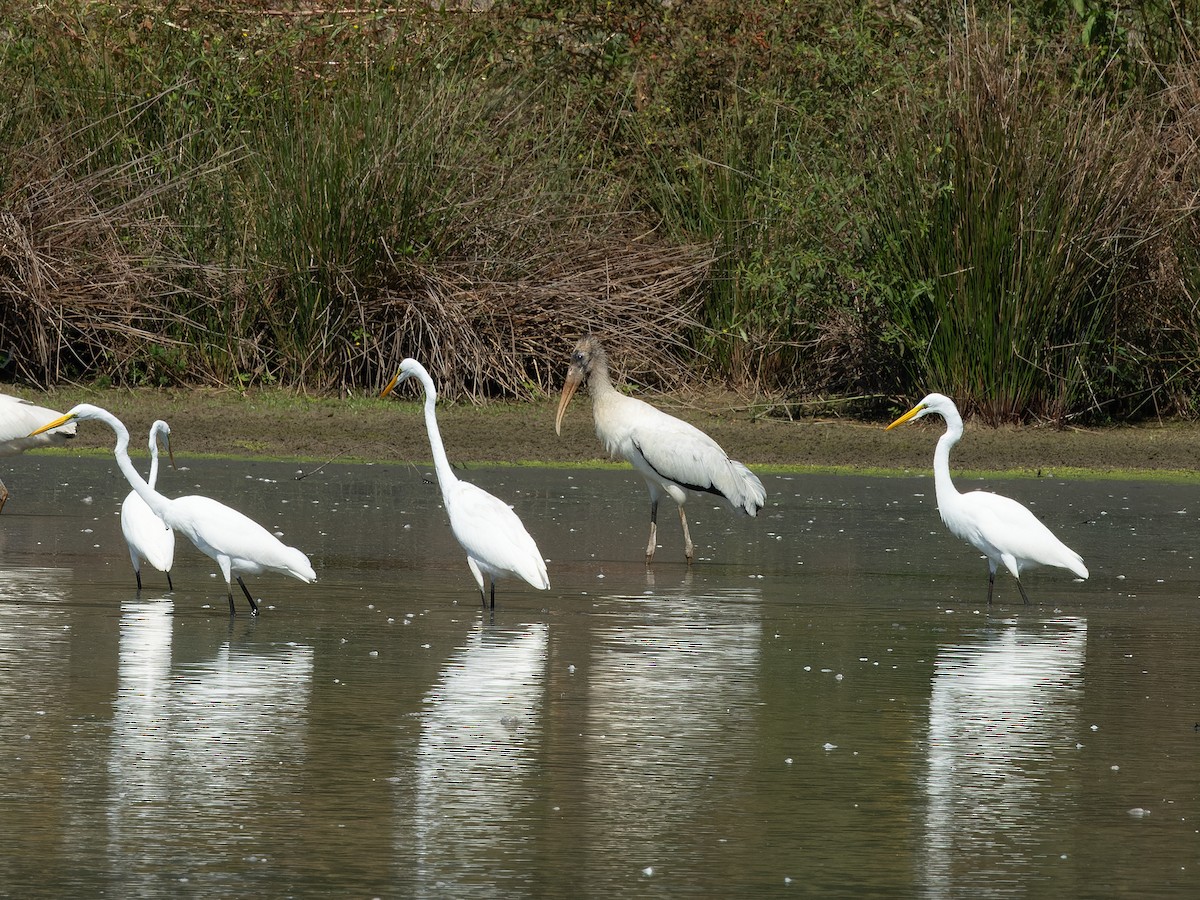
(74, 297)
(86, 285)
(486, 338)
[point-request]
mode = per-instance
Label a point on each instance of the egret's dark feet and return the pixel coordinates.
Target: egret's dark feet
(249, 599)
(139, 579)
(170, 586)
(1021, 588)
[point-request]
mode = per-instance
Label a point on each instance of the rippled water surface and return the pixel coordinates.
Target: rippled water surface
(822, 705)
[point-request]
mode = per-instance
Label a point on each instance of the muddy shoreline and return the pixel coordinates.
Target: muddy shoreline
(282, 425)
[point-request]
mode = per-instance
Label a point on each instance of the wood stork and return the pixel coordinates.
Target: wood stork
(17, 419)
(147, 536)
(496, 542)
(673, 456)
(238, 544)
(999, 527)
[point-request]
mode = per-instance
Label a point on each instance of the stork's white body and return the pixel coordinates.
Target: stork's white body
(18, 420)
(672, 455)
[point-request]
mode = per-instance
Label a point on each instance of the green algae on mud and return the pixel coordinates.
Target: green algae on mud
(285, 425)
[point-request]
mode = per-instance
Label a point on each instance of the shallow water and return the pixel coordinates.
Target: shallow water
(822, 704)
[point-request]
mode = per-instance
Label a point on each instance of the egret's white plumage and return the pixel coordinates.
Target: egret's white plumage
(673, 456)
(496, 541)
(17, 419)
(999, 527)
(238, 544)
(147, 536)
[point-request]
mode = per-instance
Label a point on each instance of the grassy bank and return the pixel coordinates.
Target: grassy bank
(281, 425)
(839, 200)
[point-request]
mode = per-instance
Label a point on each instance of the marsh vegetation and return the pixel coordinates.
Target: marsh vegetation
(834, 202)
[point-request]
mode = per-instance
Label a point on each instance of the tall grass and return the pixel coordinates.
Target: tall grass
(1160, 354)
(761, 190)
(1011, 225)
(344, 187)
(830, 199)
(87, 281)
(323, 209)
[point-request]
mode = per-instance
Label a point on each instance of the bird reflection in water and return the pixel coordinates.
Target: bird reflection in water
(1003, 728)
(476, 760)
(670, 694)
(199, 739)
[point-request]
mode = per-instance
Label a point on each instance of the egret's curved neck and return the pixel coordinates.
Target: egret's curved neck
(947, 493)
(155, 500)
(153, 479)
(441, 463)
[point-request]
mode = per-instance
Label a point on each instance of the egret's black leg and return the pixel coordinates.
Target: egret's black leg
(139, 579)
(483, 597)
(246, 591)
(170, 586)
(1021, 588)
(232, 608)
(992, 584)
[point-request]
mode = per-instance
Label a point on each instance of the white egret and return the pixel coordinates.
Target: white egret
(147, 536)
(673, 456)
(496, 542)
(999, 527)
(17, 419)
(238, 544)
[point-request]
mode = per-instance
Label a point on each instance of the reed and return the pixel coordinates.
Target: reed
(787, 198)
(1010, 223)
(313, 231)
(752, 181)
(86, 281)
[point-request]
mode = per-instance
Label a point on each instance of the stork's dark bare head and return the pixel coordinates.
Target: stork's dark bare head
(587, 361)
